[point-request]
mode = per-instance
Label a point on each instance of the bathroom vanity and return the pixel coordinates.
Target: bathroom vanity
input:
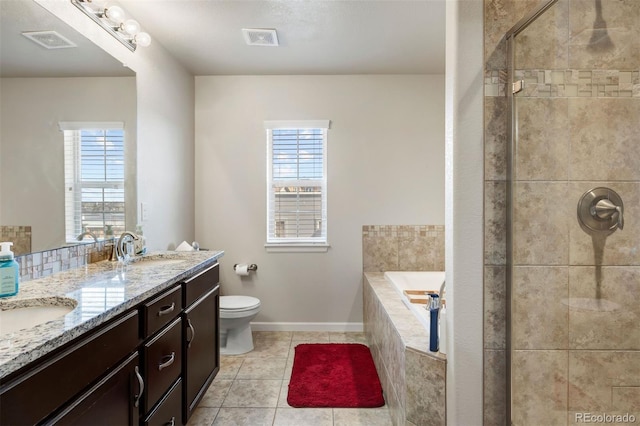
(140, 347)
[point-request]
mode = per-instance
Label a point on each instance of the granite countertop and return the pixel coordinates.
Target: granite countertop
(99, 292)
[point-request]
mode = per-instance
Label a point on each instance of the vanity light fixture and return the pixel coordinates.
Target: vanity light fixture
(113, 19)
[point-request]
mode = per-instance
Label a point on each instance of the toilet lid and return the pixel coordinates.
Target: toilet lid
(238, 303)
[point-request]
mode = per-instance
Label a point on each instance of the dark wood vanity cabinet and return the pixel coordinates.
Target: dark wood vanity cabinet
(151, 365)
(112, 401)
(201, 337)
(56, 380)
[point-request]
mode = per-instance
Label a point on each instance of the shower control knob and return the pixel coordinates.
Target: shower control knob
(605, 209)
(601, 210)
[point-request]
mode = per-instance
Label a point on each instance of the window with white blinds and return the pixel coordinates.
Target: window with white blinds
(94, 178)
(297, 182)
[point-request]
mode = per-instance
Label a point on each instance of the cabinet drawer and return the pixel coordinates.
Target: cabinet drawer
(59, 379)
(161, 310)
(163, 362)
(200, 284)
(169, 411)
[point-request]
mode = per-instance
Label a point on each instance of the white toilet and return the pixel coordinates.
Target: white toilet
(236, 313)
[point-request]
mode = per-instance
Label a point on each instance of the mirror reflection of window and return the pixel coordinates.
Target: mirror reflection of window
(94, 180)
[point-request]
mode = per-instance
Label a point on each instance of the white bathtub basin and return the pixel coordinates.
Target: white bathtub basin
(419, 281)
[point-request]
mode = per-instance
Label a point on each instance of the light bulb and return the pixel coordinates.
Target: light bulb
(142, 39)
(115, 14)
(130, 27)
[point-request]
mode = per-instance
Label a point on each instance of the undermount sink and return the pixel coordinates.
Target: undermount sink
(153, 261)
(23, 314)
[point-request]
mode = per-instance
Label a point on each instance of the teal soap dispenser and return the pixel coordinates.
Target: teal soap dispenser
(9, 271)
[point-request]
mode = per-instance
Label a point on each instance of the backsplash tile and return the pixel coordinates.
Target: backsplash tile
(45, 263)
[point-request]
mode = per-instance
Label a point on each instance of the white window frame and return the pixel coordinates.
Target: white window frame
(300, 244)
(73, 182)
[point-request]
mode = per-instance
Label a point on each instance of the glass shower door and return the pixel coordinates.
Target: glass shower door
(574, 284)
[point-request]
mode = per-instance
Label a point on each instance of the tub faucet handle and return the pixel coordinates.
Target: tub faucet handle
(605, 209)
(601, 210)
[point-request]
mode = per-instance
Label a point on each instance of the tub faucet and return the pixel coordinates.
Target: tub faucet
(87, 234)
(441, 294)
(124, 249)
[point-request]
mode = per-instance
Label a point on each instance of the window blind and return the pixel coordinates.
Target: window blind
(94, 178)
(297, 186)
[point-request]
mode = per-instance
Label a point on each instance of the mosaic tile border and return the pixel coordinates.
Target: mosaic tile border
(45, 263)
(394, 231)
(567, 83)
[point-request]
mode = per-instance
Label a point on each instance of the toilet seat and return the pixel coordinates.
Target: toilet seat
(238, 303)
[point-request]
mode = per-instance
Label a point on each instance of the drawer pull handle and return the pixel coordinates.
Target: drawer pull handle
(168, 362)
(141, 384)
(165, 310)
(171, 422)
(193, 333)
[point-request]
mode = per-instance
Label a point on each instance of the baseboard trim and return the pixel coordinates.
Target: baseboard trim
(308, 326)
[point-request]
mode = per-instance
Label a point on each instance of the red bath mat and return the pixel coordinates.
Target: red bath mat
(338, 375)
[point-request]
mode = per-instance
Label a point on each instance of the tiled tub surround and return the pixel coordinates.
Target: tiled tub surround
(102, 290)
(20, 236)
(402, 248)
(413, 379)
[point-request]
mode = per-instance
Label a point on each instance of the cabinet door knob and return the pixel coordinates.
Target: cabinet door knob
(165, 310)
(169, 360)
(171, 422)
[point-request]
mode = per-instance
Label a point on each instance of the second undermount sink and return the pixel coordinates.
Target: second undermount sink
(146, 262)
(23, 314)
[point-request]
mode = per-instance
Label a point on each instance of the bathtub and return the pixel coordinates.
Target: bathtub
(418, 280)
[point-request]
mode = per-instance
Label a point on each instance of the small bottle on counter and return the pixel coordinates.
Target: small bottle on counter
(434, 308)
(141, 243)
(9, 271)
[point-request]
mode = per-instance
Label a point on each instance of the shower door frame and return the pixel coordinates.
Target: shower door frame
(511, 150)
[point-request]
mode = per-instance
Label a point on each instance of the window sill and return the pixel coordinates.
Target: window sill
(296, 248)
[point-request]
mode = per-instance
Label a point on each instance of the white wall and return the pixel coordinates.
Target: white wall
(165, 140)
(32, 167)
(385, 166)
(464, 211)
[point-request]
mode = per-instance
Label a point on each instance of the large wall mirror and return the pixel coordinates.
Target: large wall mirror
(39, 89)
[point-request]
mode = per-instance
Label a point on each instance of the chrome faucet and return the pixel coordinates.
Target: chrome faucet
(89, 234)
(441, 294)
(124, 249)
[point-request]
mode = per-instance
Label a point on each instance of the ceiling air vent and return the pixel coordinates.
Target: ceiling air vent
(49, 39)
(260, 37)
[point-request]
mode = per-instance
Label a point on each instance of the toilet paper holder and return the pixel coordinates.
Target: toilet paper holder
(252, 267)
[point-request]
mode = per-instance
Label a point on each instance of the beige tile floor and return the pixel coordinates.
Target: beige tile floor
(251, 389)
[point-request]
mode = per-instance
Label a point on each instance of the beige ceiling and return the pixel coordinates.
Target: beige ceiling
(21, 57)
(316, 36)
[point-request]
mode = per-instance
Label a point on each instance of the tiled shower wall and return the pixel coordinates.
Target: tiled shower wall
(402, 248)
(585, 105)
